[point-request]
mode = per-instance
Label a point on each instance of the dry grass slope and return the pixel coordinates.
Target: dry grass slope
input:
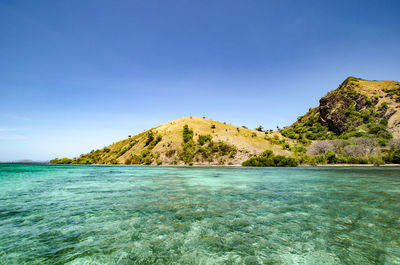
(248, 142)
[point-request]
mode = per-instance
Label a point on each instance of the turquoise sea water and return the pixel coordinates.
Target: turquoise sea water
(198, 215)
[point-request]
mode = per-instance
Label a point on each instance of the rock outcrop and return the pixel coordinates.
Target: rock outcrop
(333, 107)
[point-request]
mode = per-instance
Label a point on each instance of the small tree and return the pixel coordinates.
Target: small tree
(150, 138)
(260, 128)
(187, 134)
(330, 157)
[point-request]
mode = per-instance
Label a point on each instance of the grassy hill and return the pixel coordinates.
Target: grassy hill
(359, 122)
(212, 143)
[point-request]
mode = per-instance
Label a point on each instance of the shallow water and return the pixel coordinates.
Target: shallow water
(198, 215)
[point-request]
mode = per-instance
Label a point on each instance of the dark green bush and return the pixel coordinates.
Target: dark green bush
(298, 149)
(113, 161)
(187, 134)
(150, 138)
(260, 128)
(395, 91)
(356, 160)
(155, 141)
(64, 160)
(330, 157)
(128, 161)
(123, 151)
(268, 159)
(188, 149)
(204, 139)
(382, 141)
(170, 152)
(396, 157)
(392, 157)
(383, 122)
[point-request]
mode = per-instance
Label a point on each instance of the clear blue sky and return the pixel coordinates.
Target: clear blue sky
(79, 75)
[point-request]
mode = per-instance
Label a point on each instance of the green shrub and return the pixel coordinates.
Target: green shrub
(259, 128)
(123, 151)
(113, 161)
(136, 160)
(64, 161)
(356, 160)
(187, 153)
(383, 107)
(170, 152)
(392, 157)
(382, 141)
(188, 148)
(330, 157)
(298, 149)
(286, 146)
(150, 138)
(187, 134)
(226, 149)
(128, 161)
(395, 90)
(155, 141)
(202, 139)
(341, 160)
(132, 143)
(307, 128)
(383, 122)
(376, 160)
(369, 102)
(268, 159)
(396, 157)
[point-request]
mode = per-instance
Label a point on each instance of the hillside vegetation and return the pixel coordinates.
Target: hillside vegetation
(357, 123)
(189, 140)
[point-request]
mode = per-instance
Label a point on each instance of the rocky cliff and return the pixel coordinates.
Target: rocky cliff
(357, 108)
(374, 99)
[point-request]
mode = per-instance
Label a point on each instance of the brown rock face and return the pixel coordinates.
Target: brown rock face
(333, 107)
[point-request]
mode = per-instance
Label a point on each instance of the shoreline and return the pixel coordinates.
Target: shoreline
(303, 165)
(351, 165)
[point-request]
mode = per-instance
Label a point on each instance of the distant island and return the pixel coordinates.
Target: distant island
(24, 161)
(357, 123)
